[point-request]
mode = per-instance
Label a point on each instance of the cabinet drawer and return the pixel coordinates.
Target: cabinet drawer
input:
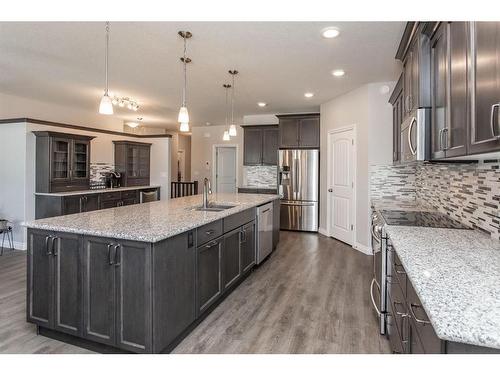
(129, 194)
(111, 196)
(237, 220)
(209, 232)
(421, 324)
(399, 273)
(398, 308)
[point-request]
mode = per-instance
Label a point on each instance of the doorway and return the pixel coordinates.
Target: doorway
(181, 165)
(225, 169)
(341, 174)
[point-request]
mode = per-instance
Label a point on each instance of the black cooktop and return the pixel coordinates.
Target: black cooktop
(421, 219)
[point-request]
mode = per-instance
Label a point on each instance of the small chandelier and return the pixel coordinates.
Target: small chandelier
(183, 117)
(125, 102)
(232, 127)
(105, 106)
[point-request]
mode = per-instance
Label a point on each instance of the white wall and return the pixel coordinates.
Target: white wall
(203, 139)
(366, 107)
(17, 170)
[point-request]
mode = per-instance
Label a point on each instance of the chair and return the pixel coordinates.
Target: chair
(6, 229)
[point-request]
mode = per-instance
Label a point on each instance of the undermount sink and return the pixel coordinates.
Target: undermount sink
(214, 207)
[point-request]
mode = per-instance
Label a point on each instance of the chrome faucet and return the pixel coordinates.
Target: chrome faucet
(207, 189)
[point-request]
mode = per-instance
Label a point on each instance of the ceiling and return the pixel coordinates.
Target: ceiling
(63, 62)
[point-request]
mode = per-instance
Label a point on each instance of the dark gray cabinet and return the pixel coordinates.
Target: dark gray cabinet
(117, 293)
(449, 90)
(132, 160)
(396, 100)
(485, 87)
(231, 265)
(276, 222)
(209, 273)
(247, 247)
(299, 131)
(62, 161)
(74, 204)
(174, 288)
(260, 145)
(54, 281)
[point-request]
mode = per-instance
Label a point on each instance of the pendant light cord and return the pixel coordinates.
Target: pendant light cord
(106, 58)
(227, 88)
(232, 103)
(185, 74)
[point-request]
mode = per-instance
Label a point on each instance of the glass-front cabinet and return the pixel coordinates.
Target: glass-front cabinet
(133, 160)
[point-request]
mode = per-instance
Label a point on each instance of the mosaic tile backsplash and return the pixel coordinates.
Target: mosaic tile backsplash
(469, 193)
(260, 175)
(98, 172)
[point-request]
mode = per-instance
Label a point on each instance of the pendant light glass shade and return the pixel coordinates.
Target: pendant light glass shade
(184, 127)
(226, 136)
(232, 131)
(106, 105)
(183, 115)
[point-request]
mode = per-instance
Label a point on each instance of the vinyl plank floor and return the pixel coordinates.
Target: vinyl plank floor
(310, 296)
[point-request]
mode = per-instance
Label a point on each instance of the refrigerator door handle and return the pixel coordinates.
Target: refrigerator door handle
(286, 203)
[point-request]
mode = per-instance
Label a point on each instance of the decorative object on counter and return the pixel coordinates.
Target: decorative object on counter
(6, 229)
(232, 126)
(183, 188)
(125, 102)
(113, 180)
(106, 105)
(183, 117)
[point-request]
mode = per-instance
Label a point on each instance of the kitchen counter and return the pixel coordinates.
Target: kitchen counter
(97, 191)
(456, 275)
(150, 222)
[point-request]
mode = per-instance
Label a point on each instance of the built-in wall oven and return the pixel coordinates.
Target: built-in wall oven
(415, 136)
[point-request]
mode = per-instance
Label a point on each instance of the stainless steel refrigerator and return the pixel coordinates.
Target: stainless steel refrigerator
(298, 180)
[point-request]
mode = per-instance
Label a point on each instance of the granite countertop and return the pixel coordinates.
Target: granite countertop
(262, 187)
(97, 191)
(150, 222)
(400, 204)
(456, 275)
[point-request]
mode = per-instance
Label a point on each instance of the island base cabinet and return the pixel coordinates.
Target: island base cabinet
(117, 293)
(174, 288)
(247, 247)
(54, 281)
(209, 273)
(231, 266)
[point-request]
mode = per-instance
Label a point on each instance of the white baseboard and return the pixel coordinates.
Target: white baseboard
(362, 248)
(17, 245)
(323, 231)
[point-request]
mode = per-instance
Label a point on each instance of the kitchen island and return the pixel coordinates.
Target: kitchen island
(139, 278)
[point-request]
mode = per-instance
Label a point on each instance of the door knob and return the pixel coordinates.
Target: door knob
(330, 190)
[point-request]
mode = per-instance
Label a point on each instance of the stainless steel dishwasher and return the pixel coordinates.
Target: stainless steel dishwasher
(264, 231)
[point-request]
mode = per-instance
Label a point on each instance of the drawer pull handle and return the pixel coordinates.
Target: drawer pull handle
(401, 314)
(420, 321)
(211, 244)
(399, 272)
(209, 232)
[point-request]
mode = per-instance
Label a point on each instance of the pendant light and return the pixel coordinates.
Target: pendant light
(183, 117)
(232, 127)
(106, 105)
(226, 137)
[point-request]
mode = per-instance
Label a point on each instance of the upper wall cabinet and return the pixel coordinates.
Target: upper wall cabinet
(449, 90)
(396, 100)
(299, 131)
(484, 87)
(62, 161)
(132, 160)
(260, 145)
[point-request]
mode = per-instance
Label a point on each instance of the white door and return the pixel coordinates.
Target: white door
(341, 185)
(225, 171)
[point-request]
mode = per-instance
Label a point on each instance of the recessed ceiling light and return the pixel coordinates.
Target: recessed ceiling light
(338, 73)
(261, 104)
(309, 94)
(133, 124)
(208, 123)
(330, 32)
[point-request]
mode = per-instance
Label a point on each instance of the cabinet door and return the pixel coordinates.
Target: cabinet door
(276, 222)
(72, 204)
(40, 280)
(231, 270)
(288, 133)
(133, 161)
(209, 274)
(80, 160)
(91, 202)
(413, 101)
(68, 286)
(99, 290)
(397, 119)
(60, 159)
(174, 288)
(132, 262)
(247, 246)
(407, 82)
(485, 87)
(309, 132)
(252, 146)
(110, 204)
(144, 161)
(439, 92)
(456, 135)
(270, 146)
